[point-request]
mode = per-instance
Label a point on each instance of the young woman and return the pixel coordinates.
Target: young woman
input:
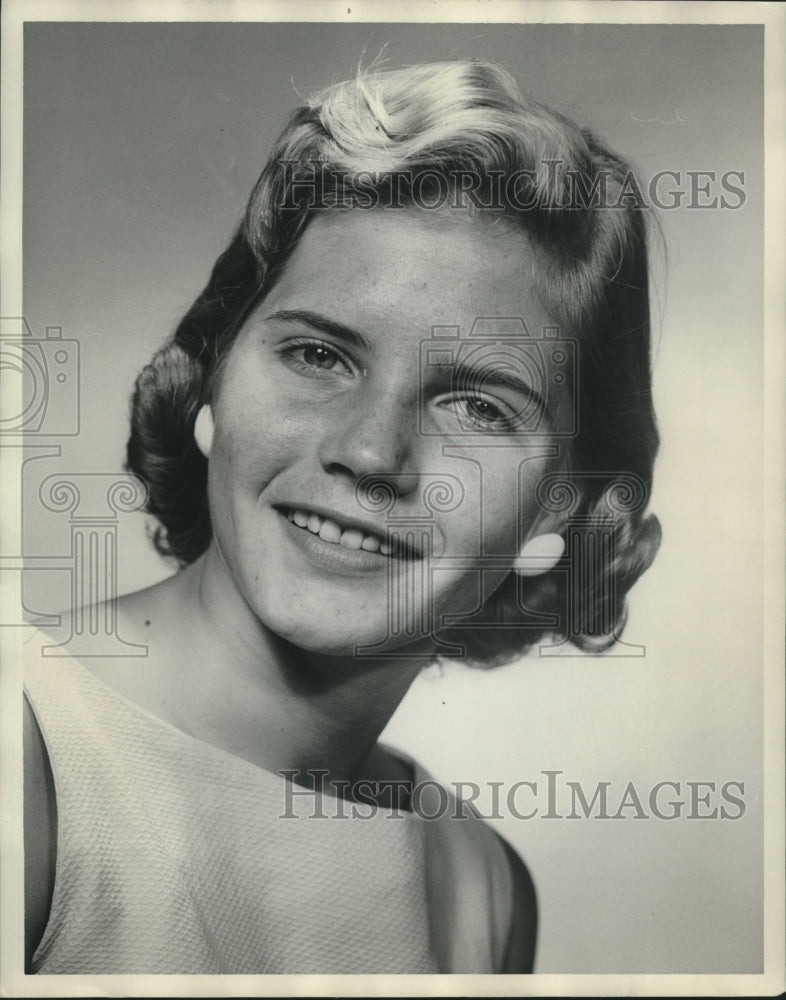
(409, 416)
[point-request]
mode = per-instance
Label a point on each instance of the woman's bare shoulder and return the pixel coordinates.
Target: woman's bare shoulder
(522, 938)
(132, 615)
(40, 833)
(134, 651)
(472, 862)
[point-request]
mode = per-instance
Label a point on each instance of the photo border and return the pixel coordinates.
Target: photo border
(773, 16)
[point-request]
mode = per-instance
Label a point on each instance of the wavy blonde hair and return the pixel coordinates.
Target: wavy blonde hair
(451, 119)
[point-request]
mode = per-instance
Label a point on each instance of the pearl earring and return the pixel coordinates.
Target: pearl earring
(539, 555)
(203, 429)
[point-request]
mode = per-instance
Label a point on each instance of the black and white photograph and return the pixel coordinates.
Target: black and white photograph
(392, 446)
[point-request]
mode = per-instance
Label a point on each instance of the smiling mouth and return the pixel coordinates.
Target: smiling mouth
(350, 538)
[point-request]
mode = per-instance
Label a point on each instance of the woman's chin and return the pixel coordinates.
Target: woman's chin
(367, 642)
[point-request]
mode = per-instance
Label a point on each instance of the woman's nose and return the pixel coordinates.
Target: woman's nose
(374, 435)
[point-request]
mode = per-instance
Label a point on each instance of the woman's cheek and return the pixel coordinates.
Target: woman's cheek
(260, 437)
(511, 512)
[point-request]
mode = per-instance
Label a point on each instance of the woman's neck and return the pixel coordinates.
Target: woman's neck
(241, 687)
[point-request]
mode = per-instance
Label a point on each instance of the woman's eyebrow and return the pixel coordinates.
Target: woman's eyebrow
(319, 322)
(469, 378)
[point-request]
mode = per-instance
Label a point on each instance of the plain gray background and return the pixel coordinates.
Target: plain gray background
(141, 144)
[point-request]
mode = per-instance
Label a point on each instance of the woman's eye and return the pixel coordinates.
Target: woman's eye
(482, 409)
(316, 358)
(319, 356)
(482, 413)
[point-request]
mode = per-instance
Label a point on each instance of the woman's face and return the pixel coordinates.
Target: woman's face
(342, 407)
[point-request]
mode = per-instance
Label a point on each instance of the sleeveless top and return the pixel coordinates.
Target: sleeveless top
(174, 856)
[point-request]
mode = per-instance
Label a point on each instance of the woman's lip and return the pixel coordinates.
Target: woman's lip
(403, 543)
(333, 557)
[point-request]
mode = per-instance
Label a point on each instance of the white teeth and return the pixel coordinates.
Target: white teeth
(351, 539)
(329, 532)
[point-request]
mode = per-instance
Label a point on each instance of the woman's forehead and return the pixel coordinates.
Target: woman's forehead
(411, 266)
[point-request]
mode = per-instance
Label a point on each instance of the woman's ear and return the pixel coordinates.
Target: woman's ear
(203, 430)
(539, 555)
